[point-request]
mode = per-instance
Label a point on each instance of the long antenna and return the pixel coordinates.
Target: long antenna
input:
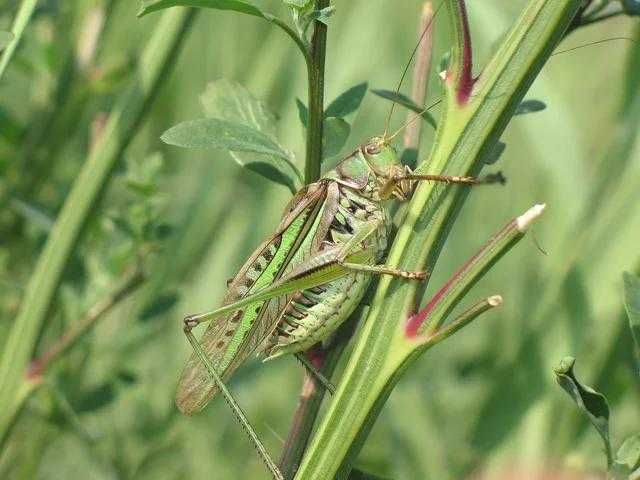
(412, 120)
(408, 64)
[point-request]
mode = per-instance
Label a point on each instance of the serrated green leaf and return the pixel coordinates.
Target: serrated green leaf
(335, 133)
(347, 103)
(5, 39)
(530, 106)
(221, 134)
(632, 305)
(149, 6)
(230, 101)
(406, 102)
(592, 403)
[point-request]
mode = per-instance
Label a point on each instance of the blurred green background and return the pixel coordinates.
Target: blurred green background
(484, 400)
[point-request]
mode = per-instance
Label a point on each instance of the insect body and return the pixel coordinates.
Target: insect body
(308, 277)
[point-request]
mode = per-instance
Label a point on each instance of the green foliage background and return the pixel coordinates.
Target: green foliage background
(486, 398)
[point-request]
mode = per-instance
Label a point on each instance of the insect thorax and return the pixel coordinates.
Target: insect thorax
(368, 169)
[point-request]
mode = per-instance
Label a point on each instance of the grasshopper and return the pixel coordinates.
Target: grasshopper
(306, 279)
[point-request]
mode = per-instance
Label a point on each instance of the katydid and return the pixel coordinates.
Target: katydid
(308, 277)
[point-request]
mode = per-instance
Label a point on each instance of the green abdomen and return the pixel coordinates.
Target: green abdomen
(335, 302)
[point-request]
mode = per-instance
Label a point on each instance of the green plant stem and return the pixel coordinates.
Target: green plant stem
(132, 280)
(475, 115)
(420, 84)
(300, 43)
(19, 24)
(305, 415)
(463, 320)
(34, 377)
(125, 118)
(315, 72)
(311, 397)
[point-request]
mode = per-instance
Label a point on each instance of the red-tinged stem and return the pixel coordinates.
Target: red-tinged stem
(38, 366)
(461, 70)
(466, 81)
(433, 315)
(415, 323)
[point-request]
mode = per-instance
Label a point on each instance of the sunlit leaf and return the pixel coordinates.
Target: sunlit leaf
(230, 101)
(221, 134)
(406, 102)
(628, 456)
(297, 3)
(149, 6)
(592, 403)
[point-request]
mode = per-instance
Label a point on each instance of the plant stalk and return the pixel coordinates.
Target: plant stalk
(420, 83)
(23, 16)
(125, 119)
(475, 115)
(315, 71)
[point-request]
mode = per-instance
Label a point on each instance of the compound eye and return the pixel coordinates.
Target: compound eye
(372, 149)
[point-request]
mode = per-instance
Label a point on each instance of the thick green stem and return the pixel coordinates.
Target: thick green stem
(315, 70)
(125, 118)
(468, 131)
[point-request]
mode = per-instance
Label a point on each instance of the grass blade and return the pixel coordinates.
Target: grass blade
(125, 118)
(19, 24)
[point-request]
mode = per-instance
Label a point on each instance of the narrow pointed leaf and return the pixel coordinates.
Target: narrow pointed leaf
(592, 403)
(270, 172)
(530, 106)
(334, 135)
(406, 102)
(347, 103)
(632, 305)
(303, 112)
(150, 6)
(496, 153)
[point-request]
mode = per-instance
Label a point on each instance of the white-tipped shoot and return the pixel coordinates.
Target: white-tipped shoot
(494, 300)
(524, 220)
